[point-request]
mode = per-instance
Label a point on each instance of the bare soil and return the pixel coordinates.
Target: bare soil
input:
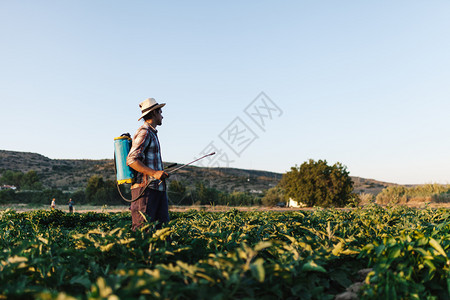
(208, 208)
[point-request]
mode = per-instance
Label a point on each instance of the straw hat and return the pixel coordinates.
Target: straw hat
(149, 105)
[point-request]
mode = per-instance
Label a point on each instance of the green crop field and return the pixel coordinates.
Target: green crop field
(314, 254)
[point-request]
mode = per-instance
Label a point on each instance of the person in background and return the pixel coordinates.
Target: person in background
(145, 158)
(71, 205)
(53, 205)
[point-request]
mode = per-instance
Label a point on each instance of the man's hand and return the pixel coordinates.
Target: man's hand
(161, 175)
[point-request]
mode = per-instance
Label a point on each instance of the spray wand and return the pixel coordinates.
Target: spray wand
(181, 167)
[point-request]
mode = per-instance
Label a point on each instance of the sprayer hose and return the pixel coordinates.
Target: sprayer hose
(139, 196)
(120, 192)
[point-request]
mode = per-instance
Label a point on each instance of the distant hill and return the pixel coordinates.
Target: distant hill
(72, 174)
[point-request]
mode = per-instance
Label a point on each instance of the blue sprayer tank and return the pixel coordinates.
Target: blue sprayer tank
(122, 146)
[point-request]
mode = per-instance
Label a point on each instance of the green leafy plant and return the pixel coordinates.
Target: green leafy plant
(313, 254)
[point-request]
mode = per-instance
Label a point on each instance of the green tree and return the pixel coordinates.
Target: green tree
(27, 181)
(204, 195)
(31, 181)
(273, 196)
(94, 185)
(178, 194)
(241, 198)
(79, 197)
(99, 191)
(12, 178)
(317, 184)
(7, 196)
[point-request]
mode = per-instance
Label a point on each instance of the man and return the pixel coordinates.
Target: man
(145, 158)
(71, 205)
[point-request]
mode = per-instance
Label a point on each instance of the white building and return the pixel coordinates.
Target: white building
(293, 203)
(7, 187)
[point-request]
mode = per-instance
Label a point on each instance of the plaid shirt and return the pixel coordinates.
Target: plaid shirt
(146, 148)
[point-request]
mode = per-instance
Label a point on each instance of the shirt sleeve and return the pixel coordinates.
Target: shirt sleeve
(140, 142)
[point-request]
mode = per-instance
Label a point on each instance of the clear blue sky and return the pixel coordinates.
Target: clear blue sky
(365, 83)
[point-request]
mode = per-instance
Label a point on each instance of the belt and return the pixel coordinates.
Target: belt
(138, 185)
(142, 184)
